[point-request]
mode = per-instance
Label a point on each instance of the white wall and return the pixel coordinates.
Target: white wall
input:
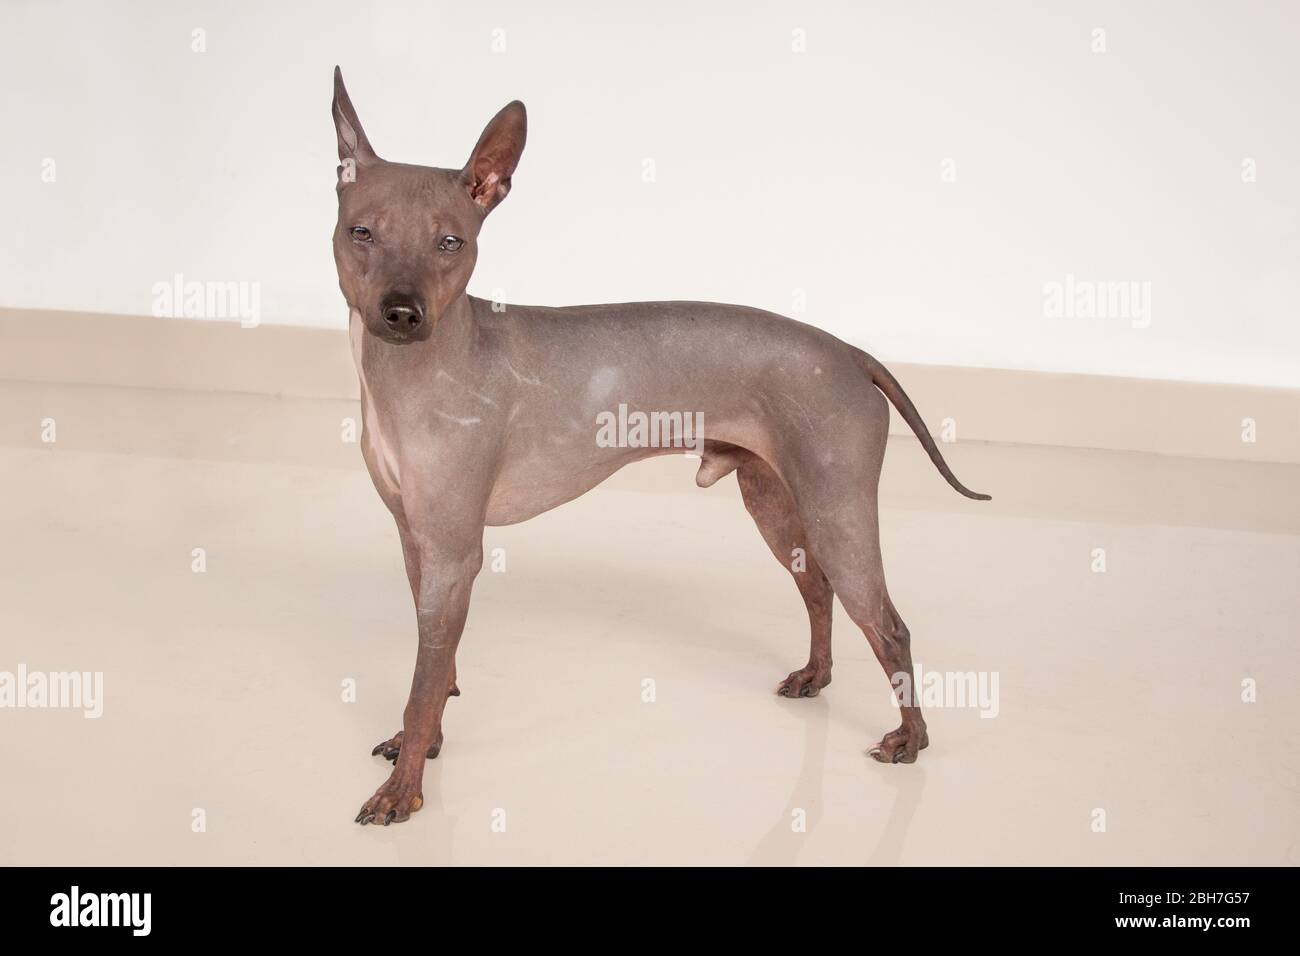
(776, 170)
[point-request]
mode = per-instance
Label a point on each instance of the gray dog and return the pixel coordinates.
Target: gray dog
(474, 415)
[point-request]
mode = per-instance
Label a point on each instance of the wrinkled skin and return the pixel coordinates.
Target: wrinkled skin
(475, 416)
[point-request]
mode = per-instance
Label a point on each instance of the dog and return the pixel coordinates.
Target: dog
(477, 415)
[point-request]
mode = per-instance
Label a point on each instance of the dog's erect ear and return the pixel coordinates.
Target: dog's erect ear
(487, 174)
(353, 144)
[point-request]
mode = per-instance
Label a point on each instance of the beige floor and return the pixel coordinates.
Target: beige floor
(1119, 691)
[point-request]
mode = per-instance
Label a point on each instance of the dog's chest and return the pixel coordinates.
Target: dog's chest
(378, 448)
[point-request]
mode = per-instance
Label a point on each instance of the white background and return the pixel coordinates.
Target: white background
(776, 170)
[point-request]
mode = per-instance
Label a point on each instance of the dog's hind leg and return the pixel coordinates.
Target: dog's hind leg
(836, 501)
(773, 510)
(847, 543)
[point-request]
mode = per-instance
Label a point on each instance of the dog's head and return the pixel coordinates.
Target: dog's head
(407, 236)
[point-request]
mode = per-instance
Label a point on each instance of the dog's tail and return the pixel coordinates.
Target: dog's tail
(894, 392)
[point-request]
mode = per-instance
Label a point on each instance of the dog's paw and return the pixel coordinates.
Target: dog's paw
(389, 749)
(901, 745)
(394, 802)
(808, 681)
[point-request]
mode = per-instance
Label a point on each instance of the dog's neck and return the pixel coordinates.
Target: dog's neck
(454, 331)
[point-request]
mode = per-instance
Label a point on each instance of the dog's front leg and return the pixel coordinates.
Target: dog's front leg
(446, 577)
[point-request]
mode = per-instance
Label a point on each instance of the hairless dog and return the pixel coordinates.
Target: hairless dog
(477, 415)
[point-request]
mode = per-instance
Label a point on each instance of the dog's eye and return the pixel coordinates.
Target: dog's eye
(451, 243)
(360, 233)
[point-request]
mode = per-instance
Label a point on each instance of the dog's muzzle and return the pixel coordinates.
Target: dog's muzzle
(402, 315)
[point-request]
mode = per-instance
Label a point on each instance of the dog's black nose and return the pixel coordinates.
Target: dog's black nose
(402, 313)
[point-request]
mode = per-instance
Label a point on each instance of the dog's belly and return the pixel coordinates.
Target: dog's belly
(542, 471)
(531, 487)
